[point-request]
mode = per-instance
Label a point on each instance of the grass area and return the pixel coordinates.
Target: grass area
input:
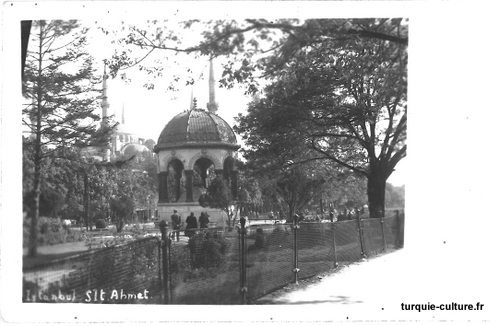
(53, 252)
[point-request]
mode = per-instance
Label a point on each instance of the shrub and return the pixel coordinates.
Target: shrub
(100, 224)
(51, 231)
(208, 249)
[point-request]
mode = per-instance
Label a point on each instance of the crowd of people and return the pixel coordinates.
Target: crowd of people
(191, 224)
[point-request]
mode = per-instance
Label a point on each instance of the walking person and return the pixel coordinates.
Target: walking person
(176, 224)
(204, 220)
(191, 225)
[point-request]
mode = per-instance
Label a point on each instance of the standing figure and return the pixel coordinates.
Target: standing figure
(191, 225)
(176, 225)
(259, 241)
(204, 220)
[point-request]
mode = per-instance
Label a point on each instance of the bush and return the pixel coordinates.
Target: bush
(208, 249)
(51, 231)
(100, 224)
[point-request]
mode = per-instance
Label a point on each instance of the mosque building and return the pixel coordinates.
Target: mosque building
(124, 141)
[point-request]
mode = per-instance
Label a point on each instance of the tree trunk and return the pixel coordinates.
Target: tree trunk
(86, 201)
(119, 224)
(376, 194)
(33, 241)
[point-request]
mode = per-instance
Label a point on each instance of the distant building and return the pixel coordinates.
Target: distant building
(124, 141)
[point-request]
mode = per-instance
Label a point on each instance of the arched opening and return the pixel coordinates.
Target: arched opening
(203, 174)
(175, 181)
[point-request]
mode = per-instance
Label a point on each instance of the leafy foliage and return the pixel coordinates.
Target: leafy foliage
(219, 196)
(345, 104)
(395, 196)
(253, 48)
(61, 99)
(51, 231)
(208, 249)
(296, 188)
(336, 87)
(122, 207)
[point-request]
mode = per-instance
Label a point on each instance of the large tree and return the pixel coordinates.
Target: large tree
(346, 104)
(253, 49)
(59, 85)
(336, 85)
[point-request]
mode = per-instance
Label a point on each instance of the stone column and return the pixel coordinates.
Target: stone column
(234, 184)
(178, 176)
(163, 187)
(219, 173)
(189, 185)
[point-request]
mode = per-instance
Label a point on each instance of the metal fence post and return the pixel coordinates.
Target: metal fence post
(165, 244)
(295, 250)
(360, 232)
(401, 226)
(383, 232)
(334, 247)
(243, 262)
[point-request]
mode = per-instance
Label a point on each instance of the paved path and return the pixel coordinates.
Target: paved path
(358, 283)
(374, 290)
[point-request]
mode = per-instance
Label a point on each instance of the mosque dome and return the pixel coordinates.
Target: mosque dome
(150, 144)
(195, 128)
(134, 149)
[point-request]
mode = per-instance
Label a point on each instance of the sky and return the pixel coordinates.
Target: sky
(148, 111)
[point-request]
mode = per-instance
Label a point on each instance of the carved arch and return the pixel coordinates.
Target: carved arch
(166, 161)
(210, 156)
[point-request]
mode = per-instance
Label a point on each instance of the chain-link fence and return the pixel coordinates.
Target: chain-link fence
(206, 270)
(127, 273)
(269, 260)
(214, 267)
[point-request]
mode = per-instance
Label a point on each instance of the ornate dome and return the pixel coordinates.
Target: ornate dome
(195, 128)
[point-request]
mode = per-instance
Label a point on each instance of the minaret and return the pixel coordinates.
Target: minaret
(104, 102)
(212, 106)
(123, 113)
(191, 104)
(105, 120)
